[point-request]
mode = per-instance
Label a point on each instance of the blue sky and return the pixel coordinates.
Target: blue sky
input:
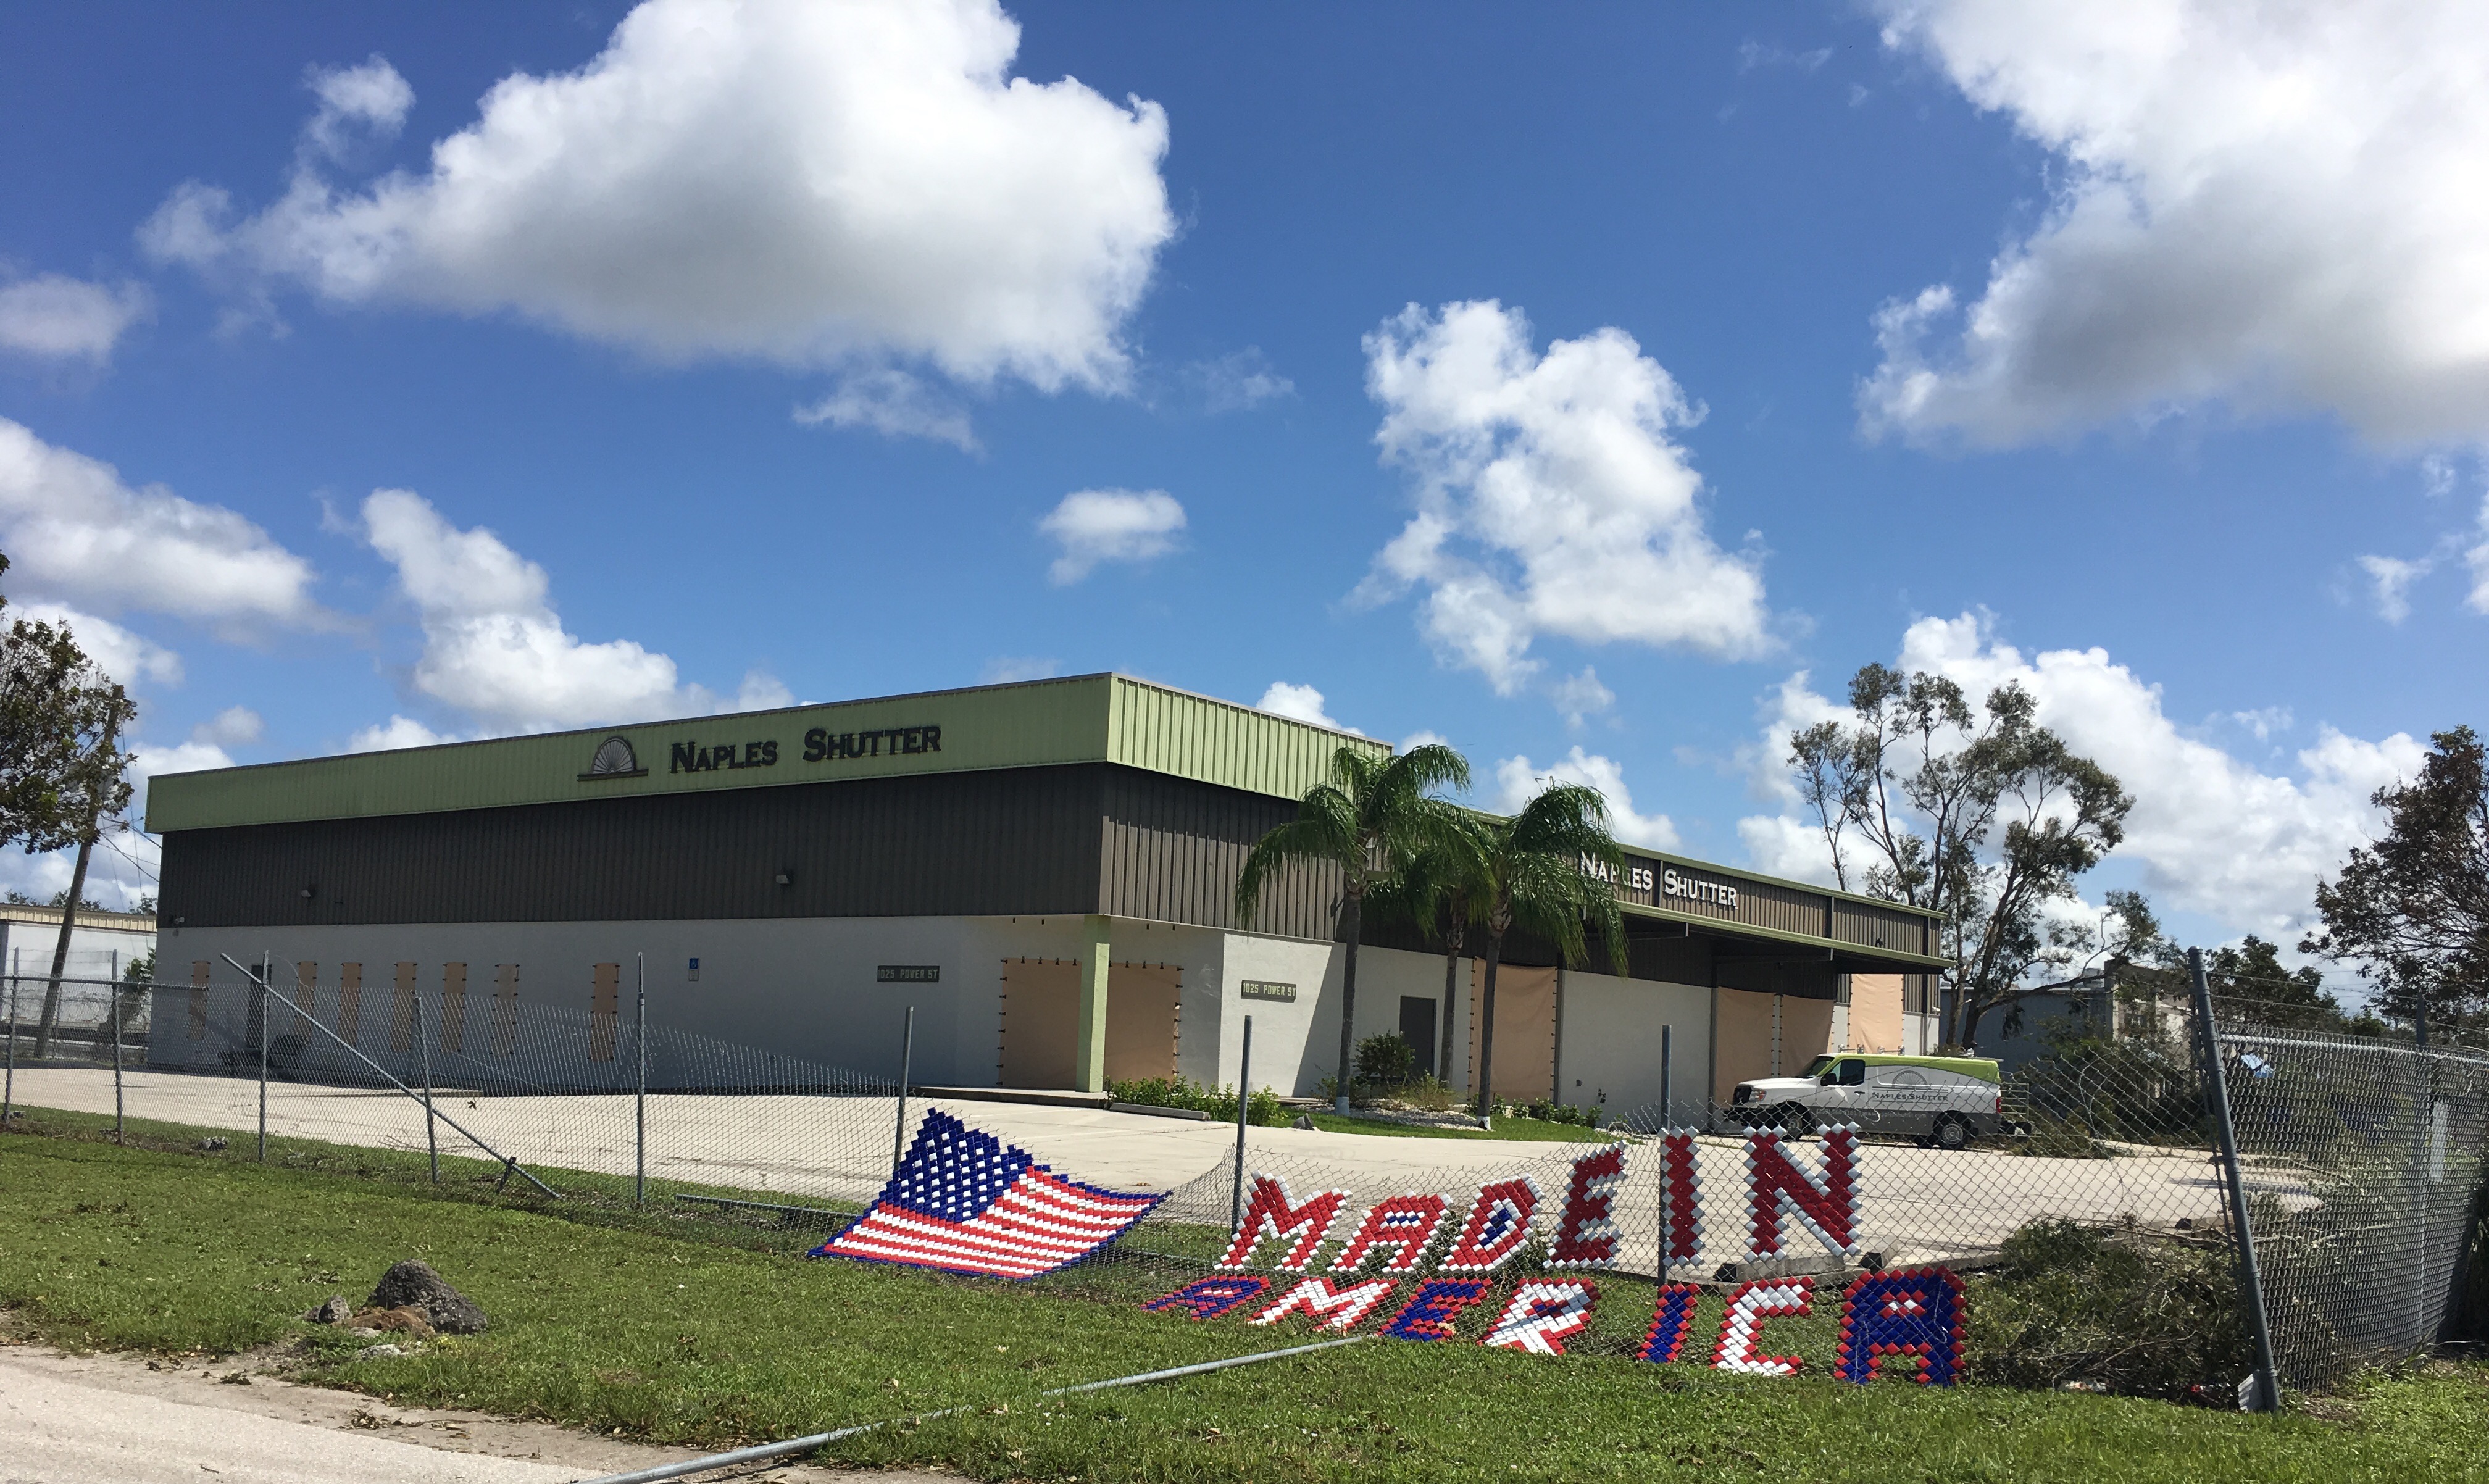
(780, 357)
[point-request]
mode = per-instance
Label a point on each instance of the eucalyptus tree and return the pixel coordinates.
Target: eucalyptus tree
(1534, 875)
(2412, 908)
(60, 765)
(1984, 815)
(1443, 891)
(1369, 818)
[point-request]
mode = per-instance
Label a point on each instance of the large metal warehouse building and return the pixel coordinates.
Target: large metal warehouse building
(1045, 870)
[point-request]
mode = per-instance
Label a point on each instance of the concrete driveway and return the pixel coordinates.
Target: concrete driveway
(1918, 1204)
(111, 1419)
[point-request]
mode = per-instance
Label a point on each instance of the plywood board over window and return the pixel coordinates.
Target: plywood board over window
(605, 1012)
(1759, 1035)
(1875, 1012)
(505, 1008)
(402, 1027)
(453, 1009)
(1041, 1021)
(1144, 1002)
(350, 1001)
(1524, 1028)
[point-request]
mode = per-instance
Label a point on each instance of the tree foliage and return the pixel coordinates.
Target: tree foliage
(1441, 891)
(2411, 910)
(1981, 814)
(1372, 815)
(1531, 876)
(61, 770)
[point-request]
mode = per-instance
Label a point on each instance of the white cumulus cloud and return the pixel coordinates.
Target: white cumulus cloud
(495, 649)
(74, 532)
(798, 182)
(1579, 698)
(1305, 703)
(1099, 526)
(1550, 496)
(2271, 204)
(2392, 578)
(356, 103)
(232, 727)
(396, 733)
(895, 404)
(2215, 835)
(1517, 779)
(69, 319)
(126, 657)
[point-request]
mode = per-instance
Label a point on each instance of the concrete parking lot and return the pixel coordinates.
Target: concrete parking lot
(1917, 1204)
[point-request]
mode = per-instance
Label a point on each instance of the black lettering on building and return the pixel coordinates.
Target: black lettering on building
(817, 745)
(685, 758)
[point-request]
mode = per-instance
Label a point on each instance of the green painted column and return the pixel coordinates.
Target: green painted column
(1089, 1055)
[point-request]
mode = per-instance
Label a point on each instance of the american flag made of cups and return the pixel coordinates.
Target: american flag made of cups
(966, 1202)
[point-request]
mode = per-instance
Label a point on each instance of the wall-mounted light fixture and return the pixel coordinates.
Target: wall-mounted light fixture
(786, 877)
(308, 892)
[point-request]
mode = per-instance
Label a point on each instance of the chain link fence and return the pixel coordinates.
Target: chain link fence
(2362, 1161)
(2083, 1197)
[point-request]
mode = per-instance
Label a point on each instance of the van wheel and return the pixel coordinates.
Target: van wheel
(1794, 1120)
(1952, 1132)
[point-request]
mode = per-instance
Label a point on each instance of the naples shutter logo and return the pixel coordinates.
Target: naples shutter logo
(820, 745)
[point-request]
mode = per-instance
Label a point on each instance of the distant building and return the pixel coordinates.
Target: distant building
(1045, 870)
(103, 945)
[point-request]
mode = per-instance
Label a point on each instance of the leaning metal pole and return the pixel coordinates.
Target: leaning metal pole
(1243, 1116)
(906, 1067)
(431, 1135)
(819, 1441)
(508, 1165)
(640, 1099)
(2265, 1388)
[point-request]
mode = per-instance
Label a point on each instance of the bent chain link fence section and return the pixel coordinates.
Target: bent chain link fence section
(2363, 1160)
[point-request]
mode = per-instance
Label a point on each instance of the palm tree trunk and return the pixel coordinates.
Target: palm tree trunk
(1352, 913)
(1452, 979)
(1486, 1030)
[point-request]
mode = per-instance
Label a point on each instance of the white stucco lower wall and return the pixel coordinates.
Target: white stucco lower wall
(804, 987)
(807, 988)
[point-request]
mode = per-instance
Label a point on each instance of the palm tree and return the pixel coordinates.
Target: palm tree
(1441, 891)
(1371, 817)
(1535, 877)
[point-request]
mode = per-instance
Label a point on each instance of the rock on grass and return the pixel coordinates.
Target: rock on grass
(413, 1285)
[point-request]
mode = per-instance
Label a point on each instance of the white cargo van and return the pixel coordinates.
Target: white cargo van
(1944, 1101)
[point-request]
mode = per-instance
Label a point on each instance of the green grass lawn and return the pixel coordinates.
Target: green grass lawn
(679, 1333)
(1533, 1130)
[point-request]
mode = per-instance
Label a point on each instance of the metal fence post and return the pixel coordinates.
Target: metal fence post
(120, 1125)
(2264, 1387)
(262, 1056)
(1243, 1117)
(907, 1065)
(430, 1134)
(640, 1099)
(9, 1087)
